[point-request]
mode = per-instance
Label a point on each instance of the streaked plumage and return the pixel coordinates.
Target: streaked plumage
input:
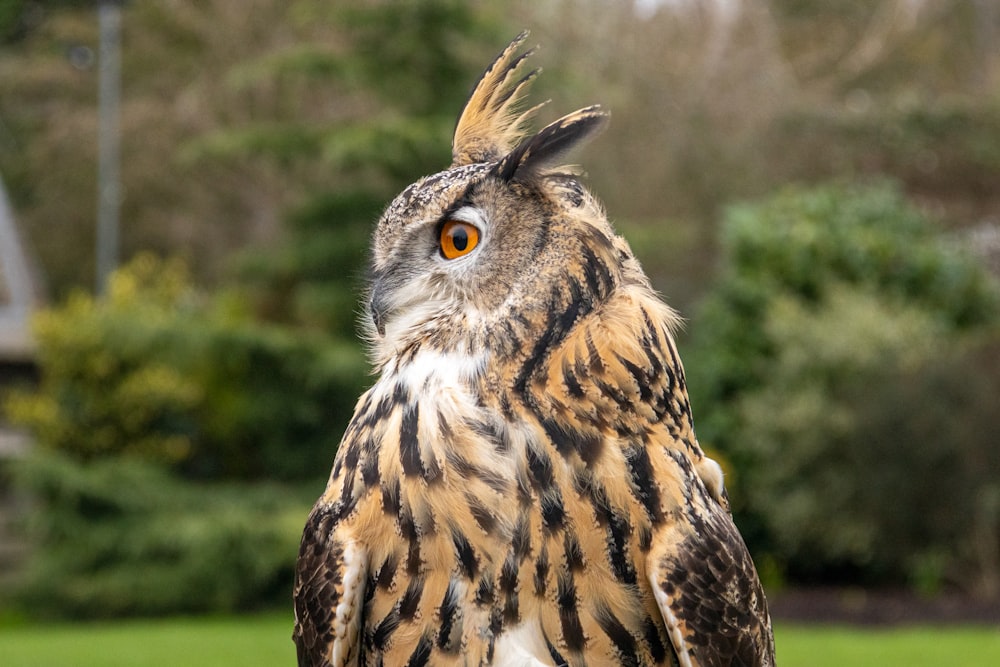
(522, 485)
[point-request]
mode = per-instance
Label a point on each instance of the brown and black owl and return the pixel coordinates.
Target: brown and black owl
(522, 485)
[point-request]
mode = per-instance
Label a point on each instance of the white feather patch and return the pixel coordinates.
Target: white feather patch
(347, 616)
(434, 369)
(711, 475)
(523, 646)
(673, 623)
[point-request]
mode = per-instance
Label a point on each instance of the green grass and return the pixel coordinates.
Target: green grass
(188, 642)
(826, 646)
(265, 640)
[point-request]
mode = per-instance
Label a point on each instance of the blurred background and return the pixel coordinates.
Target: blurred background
(814, 184)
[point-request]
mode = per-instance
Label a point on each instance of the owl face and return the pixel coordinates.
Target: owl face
(452, 249)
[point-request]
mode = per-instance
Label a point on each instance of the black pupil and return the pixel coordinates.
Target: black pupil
(460, 239)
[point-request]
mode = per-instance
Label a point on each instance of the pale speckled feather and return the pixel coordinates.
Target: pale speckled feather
(522, 485)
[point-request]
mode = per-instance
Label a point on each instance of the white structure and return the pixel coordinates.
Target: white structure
(18, 292)
(19, 296)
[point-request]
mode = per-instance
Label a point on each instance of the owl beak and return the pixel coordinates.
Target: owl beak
(378, 309)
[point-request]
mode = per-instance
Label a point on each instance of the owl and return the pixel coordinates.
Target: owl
(522, 484)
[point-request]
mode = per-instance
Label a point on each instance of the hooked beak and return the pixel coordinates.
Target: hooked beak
(378, 309)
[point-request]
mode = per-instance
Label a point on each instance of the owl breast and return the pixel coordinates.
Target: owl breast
(484, 543)
(429, 473)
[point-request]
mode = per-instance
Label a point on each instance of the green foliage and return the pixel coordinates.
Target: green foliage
(818, 467)
(152, 401)
(276, 401)
(936, 506)
(121, 537)
(423, 56)
(801, 241)
(10, 18)
(110, 385)
(156, 372)
(314, 277)
(840, 315)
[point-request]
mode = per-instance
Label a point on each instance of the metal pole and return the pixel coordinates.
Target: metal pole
(108, 140)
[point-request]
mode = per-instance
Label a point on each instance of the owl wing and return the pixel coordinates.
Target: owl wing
(330, 578)
(708, 592)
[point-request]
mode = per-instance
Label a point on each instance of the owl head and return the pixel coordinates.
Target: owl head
(500, 236)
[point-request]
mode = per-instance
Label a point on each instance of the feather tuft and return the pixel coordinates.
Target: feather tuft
(546, 147)
(491, 123)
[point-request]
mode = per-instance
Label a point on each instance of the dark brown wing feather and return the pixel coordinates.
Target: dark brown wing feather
(319, 588)
(709, 592)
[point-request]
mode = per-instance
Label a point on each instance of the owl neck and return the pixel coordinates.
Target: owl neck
(606, 367)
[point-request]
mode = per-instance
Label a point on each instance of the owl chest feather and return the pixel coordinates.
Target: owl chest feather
(484, 526)
(425, 476)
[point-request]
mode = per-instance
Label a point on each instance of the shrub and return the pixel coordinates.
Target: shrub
(814, 356)
(799, 244)
(877, 448)
(276, 401)
(110, 382)
(803, 426)
(122, 537)
(937, 502)
(156, 408)
(155, 371)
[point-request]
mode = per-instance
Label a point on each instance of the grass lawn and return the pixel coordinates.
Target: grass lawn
(265, 640)
(822, 646)
(186, 642)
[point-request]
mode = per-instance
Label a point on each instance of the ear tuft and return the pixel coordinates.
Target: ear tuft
(542, 150)
(490, 124)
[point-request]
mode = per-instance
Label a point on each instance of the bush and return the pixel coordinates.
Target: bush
(878, 448)
(109, 384)
(276, 401)
(813, 361)
(799, 244)
(122, 537)
(800, 241)
(803, 425)
(153, 402)
(937, 504)
(156, 372)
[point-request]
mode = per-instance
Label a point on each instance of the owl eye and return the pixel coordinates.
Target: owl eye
(458, 238)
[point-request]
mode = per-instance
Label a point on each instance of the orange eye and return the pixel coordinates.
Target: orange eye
(458, 238)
